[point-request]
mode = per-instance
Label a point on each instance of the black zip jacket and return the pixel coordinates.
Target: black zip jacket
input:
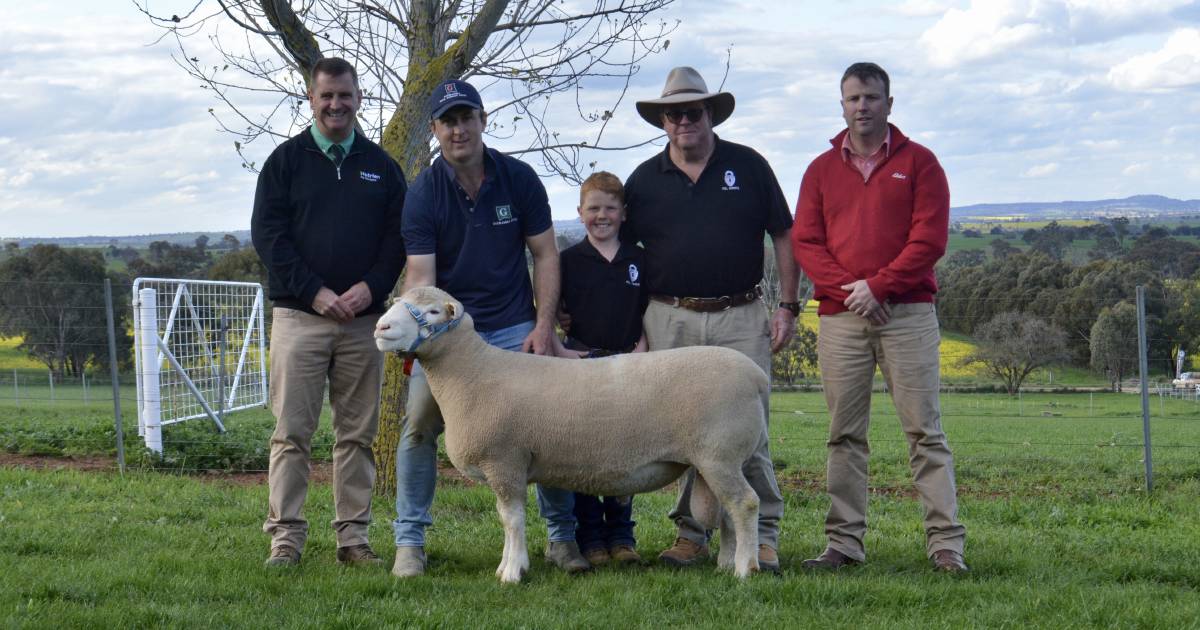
(317, 225)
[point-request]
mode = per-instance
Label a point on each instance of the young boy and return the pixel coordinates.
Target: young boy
(602, 293)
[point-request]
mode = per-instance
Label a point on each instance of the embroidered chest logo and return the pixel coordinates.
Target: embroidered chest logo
(634, 274)
(504, 215)
(370, 177)
(899, 175)
(730, 181)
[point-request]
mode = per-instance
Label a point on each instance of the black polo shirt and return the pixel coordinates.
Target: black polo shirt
(605, 299)
(704, 239)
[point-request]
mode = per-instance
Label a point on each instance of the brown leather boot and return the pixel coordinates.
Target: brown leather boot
(830, 560)
(624, 554)
(684, 553)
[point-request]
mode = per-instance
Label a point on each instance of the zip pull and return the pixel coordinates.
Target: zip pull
(339, 172)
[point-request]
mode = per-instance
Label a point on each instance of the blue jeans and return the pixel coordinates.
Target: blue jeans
(416, 459)
(603, 524)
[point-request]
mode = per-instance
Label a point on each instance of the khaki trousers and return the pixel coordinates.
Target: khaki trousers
(306, 351)
(747, 330)
(906, 351)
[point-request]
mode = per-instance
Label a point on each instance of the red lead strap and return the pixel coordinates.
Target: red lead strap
(408, 365)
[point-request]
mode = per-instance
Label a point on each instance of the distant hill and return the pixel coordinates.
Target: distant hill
(137, 241)
(1137, 206)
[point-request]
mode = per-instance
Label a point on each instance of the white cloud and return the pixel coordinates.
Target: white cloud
(921, 8)
(1101, 145)
(1135, 169)
(985, 29)
(1175, 65)
(989, 28)
(1041, 170)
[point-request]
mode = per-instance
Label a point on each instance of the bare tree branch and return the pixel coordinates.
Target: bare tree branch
(526, 55)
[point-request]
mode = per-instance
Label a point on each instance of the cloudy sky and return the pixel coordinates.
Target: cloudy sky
(1022, 100)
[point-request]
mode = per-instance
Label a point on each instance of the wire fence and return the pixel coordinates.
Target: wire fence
(1064, 426)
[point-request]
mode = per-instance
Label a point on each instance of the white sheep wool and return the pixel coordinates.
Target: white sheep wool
(513, 418)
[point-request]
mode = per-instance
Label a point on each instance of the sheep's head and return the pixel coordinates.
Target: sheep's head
(416, 317)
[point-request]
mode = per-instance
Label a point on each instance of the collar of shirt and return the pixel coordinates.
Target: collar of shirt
(324, 144)
(866, 165)
(622, 251)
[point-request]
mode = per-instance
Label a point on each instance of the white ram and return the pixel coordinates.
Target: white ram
(614, 426)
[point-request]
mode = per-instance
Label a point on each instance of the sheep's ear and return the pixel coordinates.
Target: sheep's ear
(450, 309)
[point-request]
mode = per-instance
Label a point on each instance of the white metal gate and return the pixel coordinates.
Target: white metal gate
(201, 351)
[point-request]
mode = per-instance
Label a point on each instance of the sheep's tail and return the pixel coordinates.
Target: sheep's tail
(706, 508)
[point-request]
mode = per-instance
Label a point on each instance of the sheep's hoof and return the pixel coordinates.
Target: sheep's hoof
(510, 576)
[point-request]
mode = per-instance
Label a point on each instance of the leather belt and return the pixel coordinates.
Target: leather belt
(594, 353)
(710, 304)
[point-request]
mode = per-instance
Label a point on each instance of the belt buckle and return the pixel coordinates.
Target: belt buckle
(728, 300)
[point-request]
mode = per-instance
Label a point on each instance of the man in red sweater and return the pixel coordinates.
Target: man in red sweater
(871, 222)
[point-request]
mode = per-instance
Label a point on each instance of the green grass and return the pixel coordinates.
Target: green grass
(1060, 534)
(11, 358)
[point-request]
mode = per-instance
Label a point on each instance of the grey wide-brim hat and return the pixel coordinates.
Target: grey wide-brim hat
(685, 85)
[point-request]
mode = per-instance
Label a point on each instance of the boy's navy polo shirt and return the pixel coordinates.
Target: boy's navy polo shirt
(480, 244)
(605, 299)
(704, 239)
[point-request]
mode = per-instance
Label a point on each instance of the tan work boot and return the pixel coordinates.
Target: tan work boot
(684, 553)
(410, 562)
(283, 556)
(565, 555)
(768, 559)
(624, 554)
(597, 557)
(357, 555)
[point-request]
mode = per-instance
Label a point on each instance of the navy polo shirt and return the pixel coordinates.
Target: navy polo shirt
(480, 244)
(605, 299)
(704, 239)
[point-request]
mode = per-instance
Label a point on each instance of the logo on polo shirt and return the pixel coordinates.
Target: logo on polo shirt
(371, 177)
(899, 175)
(730, 181)
(504, 215)
(634, 274)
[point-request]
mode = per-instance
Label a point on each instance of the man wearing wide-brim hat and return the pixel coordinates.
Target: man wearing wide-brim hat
(700, 209)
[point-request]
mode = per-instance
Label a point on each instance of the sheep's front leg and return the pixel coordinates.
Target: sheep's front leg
(730, 486)
(515, 559)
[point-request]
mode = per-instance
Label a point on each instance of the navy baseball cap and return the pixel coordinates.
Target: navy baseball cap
(452, 94)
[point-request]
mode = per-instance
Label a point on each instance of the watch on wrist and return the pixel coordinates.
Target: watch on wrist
(794, 307)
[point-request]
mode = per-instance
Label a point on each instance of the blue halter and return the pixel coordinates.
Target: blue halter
(427, 331)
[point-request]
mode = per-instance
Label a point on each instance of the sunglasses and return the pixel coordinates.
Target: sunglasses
(676, 115)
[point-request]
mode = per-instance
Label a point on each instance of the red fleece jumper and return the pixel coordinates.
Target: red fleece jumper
(889, 230)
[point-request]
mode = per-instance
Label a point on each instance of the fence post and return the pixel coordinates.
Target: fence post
(83, 376)
(112, 372)
(147, 343)
(50, 373)
(1142, 369)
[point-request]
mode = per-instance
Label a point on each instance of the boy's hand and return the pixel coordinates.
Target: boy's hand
(564, 320)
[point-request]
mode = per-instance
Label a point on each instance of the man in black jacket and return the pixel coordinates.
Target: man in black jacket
(327, 226)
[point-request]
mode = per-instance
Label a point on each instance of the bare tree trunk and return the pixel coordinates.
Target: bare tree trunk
(391, 415)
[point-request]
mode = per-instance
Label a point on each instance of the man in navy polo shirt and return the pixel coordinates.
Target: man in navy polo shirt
(469, 218)
(701, 209)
